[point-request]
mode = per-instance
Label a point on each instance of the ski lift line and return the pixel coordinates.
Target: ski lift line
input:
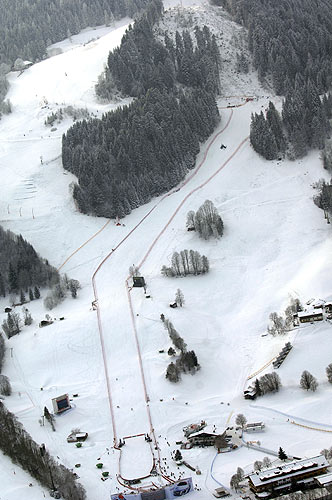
(102, 343)
(101, 336)
(83, 244)
(139, 354)
(261, 369)
(143, 377)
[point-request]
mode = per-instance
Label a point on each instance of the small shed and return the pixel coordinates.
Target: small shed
(61, 403)
(138, 281)
(220, 493)
(75, 437)
(45, 322)
(310, 316)
(250, 393)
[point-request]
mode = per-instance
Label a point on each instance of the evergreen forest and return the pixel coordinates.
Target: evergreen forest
(291, 45)
(16, 443)
(21, 267)
(144, 149)
(142, 61)
(138, 151)
(28, 27)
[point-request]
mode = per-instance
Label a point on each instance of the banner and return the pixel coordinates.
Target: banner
(176, 490)
(179, 488)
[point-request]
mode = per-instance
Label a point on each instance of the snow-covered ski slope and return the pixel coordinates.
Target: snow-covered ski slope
(276, 243)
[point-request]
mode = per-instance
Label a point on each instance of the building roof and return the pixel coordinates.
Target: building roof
(318, 303)
(209, 429)
(255, 424)
(324, 479)
(312, 312)
(288, 470)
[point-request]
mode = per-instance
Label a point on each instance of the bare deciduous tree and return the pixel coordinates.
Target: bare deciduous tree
(308, 381)
(179, 298)
(240, 420)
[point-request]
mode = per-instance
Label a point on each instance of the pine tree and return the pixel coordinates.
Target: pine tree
(258, 387)
(12, 326)
(275, 124)
(12, 278)
(22, 297)
(31, 297)
(49, 417)
(281, 454)
(5, 387)
(2, 286)
(329, 372)
(172, 373)
(36, 292)
(2, 351)
(27, 316)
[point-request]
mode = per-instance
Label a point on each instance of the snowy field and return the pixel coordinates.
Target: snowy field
(276, 244)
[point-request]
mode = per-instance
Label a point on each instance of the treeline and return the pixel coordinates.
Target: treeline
(291, 44)
(21, 267)
(27, 28)
(19, 446)
(2, 351)
(140, 151)
(5, 106)
(187, 262)
(304, 124)
(137, 151)
(324, 199)
(142, 62)
(288, 39)
(270, 382)
(186, 362)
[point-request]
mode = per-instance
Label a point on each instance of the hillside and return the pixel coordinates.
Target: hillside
(276, 243)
